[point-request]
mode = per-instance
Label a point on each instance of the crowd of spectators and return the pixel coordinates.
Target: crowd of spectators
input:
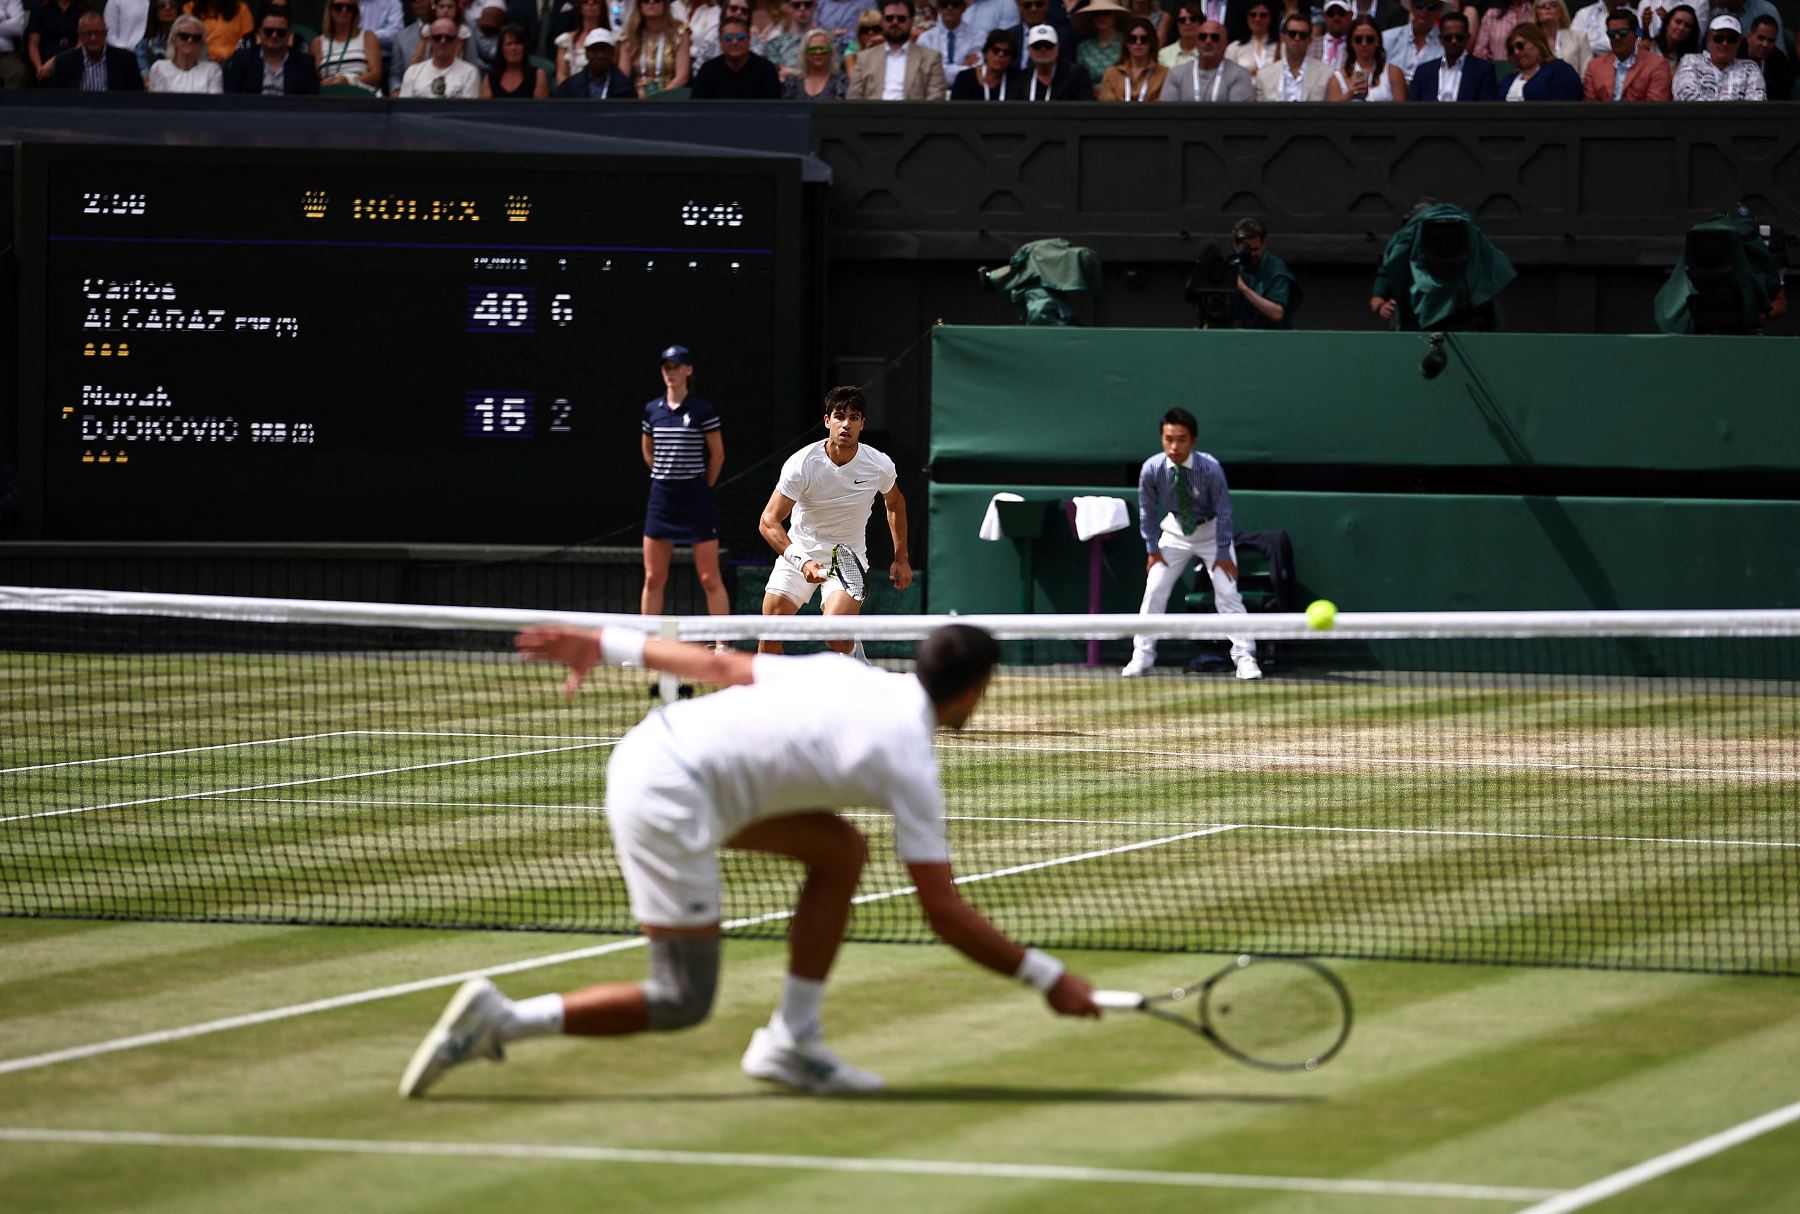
(1366, 51)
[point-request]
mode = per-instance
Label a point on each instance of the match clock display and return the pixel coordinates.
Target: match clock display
(355, 347)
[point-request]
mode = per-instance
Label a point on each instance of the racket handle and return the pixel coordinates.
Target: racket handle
(1129, 1001)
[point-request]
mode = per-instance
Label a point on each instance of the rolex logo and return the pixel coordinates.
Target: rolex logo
(312, 204)
(518, 208)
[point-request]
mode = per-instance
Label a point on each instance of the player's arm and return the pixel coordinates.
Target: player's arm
(649, 452)
(772, 524)
(901, 570)
(581, 649)
(968, 931)
(715, 456)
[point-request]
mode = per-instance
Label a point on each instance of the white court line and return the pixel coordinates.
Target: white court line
(1662, 1165)
(804, 1163)
(355, 775)
(1352, 760)
(186, 750)
(162, 1036)
(1093, 822)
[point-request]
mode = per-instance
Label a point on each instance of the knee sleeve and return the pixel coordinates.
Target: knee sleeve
(684, 974)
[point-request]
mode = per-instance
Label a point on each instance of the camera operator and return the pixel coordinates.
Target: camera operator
(1268, 294)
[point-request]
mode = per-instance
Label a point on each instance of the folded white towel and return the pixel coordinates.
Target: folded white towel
(990, 525)
(1095, 516)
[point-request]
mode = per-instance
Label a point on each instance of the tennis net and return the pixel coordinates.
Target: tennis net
(1594, 789)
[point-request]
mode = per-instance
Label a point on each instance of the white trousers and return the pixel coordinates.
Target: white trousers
(1201, 545)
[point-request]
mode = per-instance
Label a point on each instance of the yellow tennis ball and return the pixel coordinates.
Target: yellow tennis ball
(1322, 614)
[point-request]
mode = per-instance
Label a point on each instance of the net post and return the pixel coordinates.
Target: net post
(668, 687)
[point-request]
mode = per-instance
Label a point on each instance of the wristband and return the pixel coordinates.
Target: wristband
(622, 646)
(796, 556)
(1040, 970)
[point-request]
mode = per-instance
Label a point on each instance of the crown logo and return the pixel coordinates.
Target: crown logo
(518, 208)
(312, 204)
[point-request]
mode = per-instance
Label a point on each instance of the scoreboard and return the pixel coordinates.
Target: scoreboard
(353, 346)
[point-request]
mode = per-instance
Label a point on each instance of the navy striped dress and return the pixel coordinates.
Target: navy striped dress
(681, 506)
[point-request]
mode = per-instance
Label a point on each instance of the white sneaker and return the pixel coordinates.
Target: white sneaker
(1138, 667)
(809, 1065)
(1247, 667)
(468, 1028)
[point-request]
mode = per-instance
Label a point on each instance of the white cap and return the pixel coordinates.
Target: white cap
(1343, 4)
(596, 37)
(1041, 33)
(1725, 21)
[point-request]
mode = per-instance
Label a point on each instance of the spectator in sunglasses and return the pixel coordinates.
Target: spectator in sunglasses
(186, 68)
(1210, 76)
(1296, 76)
(272, 66)
(445, 74)
(1718, 74)
(783, 47)
(1631, 70)
(992, 78)
(1541, 76)
(1456, 75)
(347, 54)
(868, 35)
(1137, 76)
(1365, 74)
(1047, 75)
(902, 70)
(738, 73)
(818, 78)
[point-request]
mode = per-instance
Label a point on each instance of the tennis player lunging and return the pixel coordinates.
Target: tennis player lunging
(759, 767)
(827, 487)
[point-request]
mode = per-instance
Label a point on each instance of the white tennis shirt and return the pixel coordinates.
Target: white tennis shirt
(810, 733)
(831, 504)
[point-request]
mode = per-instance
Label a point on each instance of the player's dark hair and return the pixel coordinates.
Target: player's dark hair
(955, 658)
(1181, 417)
(846, 400)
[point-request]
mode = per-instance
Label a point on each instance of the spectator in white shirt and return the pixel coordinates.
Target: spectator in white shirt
(187, 68)
(1417, 41)
(953, 38)
(1716, 73)
(125, 22)
(445, 74)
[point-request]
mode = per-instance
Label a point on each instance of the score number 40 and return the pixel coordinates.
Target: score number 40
(511, 311)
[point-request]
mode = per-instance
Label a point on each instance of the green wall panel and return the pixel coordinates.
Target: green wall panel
(1401, 552)
(1042, 395)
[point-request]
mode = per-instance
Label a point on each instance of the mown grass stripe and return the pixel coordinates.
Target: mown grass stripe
(819, 1163)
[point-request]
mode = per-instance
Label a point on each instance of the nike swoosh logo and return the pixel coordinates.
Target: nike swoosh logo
(861, 482)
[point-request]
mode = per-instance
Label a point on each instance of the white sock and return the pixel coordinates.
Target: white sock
(539, 1016)
(799, 1010)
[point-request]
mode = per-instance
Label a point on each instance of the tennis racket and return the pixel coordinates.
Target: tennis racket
(849, 572)
(1278, 1013)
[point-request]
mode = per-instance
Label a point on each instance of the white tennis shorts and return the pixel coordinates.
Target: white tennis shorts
(655, 809)
(791, 585)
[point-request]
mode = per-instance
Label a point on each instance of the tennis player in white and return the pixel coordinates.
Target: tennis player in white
(759, 766)
(827, 489)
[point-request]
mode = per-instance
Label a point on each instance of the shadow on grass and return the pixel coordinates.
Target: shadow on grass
(937, 1094)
